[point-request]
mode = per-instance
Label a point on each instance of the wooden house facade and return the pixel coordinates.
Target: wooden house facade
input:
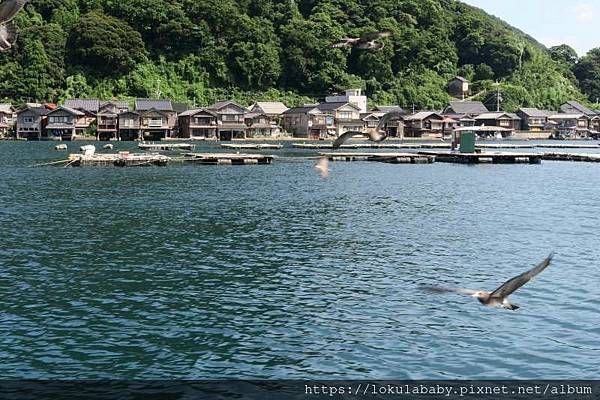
(199, 123)
(31, 123)
(230, 120)
(62, 123)
(424, 123)
(157, 118)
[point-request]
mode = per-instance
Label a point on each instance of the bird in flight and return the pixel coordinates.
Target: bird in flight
(322, 167)
(8, 30)
(368, 41)
(499, 297)
(378, 135)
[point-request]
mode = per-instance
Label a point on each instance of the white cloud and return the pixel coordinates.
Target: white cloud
(585, 12)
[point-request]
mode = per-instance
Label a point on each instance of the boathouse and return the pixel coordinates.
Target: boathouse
(571, 125)
(7, 119)
(346, 117)
(533, 119)
(230, 120)
(31, 122)
(307, 122)
(157, 118)
(62, 123)
(129, 126)
(424, 123)
(198, 123)
(108, 119)
(464, 108)
(509, 122)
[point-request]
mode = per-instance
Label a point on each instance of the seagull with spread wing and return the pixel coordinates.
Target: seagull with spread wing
(368, 41)
(499, 297)
(378, 135)
(8, 30)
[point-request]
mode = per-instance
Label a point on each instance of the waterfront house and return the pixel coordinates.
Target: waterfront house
(157, 118)
(570, 125)
(7, 119)
(370, 121)
(129, 126)
(458, 87)
(509, 122)
(31, 122)
(307, 122)
(198, 123)
(274, 109)
(574, 107)
(533, 119)
(108, 119)
(352, 96)
(62, 123)
(346, 117)
(261, 125)
(230, 120)
(464, 108)
(423, 123)
(89, 108)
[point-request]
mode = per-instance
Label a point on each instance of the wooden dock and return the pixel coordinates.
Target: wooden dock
(123, 159)
(485, 157)
(503, 146)
(252, 146)
(166, 146)
(571, 157)
(391, 158)
(567, 146)
(371, 145)
(227, 159)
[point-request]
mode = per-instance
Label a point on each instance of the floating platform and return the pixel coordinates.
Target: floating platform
(256, 146)
(568, 146)
(166, 146)
(391, 158)
(571, 157)
(382, 145)
(485, 157)
(503, 146)
(227, 159)
(123, 159)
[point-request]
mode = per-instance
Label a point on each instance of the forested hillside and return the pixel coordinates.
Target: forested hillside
(203, 51)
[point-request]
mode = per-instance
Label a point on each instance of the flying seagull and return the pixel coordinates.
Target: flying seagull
(499, 297)
(378, 135)
(368, 41)
(8, 30)
(322, 166)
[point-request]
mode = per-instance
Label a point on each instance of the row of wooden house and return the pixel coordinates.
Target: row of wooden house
(155, 119)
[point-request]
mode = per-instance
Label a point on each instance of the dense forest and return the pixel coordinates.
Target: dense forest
(203, 51)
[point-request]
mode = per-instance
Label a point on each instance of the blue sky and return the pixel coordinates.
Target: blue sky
(551, 22)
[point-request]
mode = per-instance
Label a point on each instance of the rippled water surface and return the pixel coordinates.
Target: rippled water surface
(270, 272)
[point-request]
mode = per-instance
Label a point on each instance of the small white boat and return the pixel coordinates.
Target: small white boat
(60, 147)
(88, 150)
(108, 146)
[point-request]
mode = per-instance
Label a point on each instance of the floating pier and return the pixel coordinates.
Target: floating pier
(392, 158)
(227, 158)
(568, 146)
(503, 146)
(571, 157)
(485, 157)
(256, 146)
(123, 159)
(370, 145)
(166, 146)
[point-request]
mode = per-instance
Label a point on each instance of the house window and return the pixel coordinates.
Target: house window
(60, 120)
(371, 124)
(28, 120)
(230, 118)
(345, 115)
(582, 123)
(127, 122)
(504, 123)
(154, 122)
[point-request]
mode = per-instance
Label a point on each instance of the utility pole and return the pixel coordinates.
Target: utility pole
(158, 89)
(498, 97)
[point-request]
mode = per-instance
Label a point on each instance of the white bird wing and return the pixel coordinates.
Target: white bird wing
(8, 35)
(10, 8)
(346, 136)
(322, 166)
(440, 289)
(513, 284)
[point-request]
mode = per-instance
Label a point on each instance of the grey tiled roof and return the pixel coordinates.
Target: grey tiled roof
(271, 107)
(118, 103)
(533, 112)
(300, 110)
(334, 106)
(83, 104)
(196, 111)
(574, 107)
(158, 104)
(467, 107)
(387, 109)
(220, 104)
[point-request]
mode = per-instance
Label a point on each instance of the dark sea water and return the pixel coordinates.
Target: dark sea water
(269, 272)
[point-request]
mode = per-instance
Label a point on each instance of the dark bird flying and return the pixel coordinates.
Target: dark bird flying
(499, 297)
